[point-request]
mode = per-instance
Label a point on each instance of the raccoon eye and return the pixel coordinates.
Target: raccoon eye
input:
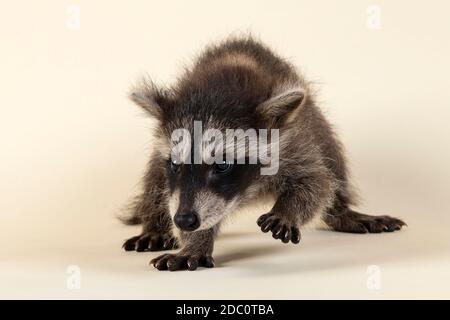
(174, 166)
(224, 167)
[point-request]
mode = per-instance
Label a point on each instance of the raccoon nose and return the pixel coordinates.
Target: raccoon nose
(187, 220)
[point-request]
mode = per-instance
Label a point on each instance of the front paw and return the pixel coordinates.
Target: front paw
(180, 261)
(151, 242)
(280, 227)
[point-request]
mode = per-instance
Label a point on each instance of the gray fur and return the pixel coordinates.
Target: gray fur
(240, 83)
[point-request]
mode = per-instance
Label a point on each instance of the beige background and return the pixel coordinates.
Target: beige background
(73, 147)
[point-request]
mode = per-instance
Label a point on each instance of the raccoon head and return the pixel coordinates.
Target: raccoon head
(206, 186)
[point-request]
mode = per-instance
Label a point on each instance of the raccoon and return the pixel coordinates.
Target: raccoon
(239, 83)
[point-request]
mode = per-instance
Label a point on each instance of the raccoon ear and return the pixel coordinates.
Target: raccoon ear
(282, 103)
(148, 96)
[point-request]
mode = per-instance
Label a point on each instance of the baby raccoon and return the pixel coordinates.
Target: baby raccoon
(194, 179)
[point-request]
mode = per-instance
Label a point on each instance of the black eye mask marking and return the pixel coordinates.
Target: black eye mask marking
(223, 168)
(174, 166)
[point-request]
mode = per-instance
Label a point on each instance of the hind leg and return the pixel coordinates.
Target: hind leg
(343, 219)
(355, 222)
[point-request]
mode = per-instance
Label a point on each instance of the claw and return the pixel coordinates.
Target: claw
(208, 262)
(150, 242)
(192, 264)
(130, 244)
(280, 228)
(286, 235)
(174, 262)
(262, 219)
(356, 222)
(142, 244)
(266, 226)
(295, 237)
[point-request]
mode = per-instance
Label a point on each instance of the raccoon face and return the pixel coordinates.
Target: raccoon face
(201, 194)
